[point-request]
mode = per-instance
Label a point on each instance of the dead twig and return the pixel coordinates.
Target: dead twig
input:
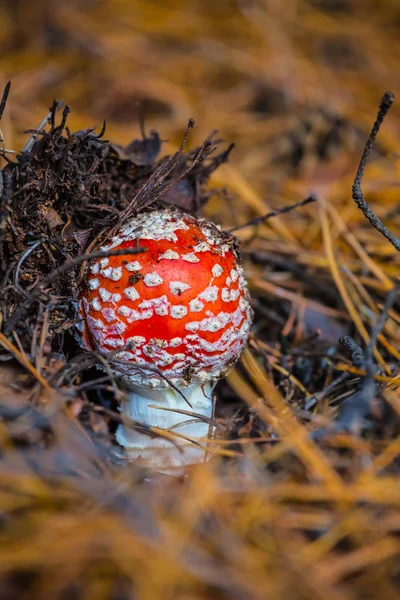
(356, 408)
(356, 353)
(358, 196)
(20, 262)
(274, 213)
(195, 416)
(4, 98)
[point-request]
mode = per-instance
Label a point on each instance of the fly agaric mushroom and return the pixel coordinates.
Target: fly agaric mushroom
(182, 308)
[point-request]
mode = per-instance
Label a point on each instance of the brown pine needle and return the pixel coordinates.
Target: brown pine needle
(24, 361)
(341, 286)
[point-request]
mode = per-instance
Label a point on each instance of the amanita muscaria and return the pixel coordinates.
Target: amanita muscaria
(182, 308)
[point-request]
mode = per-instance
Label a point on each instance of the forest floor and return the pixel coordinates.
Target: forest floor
(301, 496)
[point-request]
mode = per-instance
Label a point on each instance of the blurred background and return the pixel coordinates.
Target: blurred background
(293, 83)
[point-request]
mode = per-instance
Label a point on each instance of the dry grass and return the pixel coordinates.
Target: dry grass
(291, 506)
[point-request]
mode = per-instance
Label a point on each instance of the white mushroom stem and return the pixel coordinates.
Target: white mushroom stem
(146, 406)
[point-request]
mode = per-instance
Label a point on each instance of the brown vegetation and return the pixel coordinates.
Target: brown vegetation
(301, 497)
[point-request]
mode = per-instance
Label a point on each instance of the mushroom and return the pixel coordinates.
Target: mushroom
(180, 314)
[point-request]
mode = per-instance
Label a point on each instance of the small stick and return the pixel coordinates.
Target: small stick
(274, 213)
(198, 417)
(356, 408)
(4, 98)
(358, 196)
(19, 265)
(315, 398)
(2, 107)
(356, 354)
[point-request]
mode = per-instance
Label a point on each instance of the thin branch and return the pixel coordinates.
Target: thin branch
(358, 196)
(316, 398)
(274, 213)
(356, 353)
(199, 418)
(19, 265)
(355, 409)
(4, 98)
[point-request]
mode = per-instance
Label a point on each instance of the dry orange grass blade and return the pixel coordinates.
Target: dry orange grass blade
(276, 514)
(230, 176)
(372, 555)
(353, 242)
(290, 429)
(349, 369)
(24, 361)
(386, 457)
(342, 288)
(284, 294)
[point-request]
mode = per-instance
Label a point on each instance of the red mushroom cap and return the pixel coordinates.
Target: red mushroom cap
(182, 306)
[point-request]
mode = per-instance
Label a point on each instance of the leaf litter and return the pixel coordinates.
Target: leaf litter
(301, 496)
